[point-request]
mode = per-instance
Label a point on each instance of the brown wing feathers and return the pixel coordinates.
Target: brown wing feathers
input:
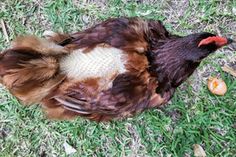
(123, 33)
(127, 94)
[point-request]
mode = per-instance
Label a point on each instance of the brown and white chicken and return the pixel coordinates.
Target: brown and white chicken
(112, 70)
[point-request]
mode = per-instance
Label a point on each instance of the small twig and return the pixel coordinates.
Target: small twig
(218, 31)
(229, 70)
(4, 30)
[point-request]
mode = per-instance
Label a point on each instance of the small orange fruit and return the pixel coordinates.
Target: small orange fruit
(217, 86)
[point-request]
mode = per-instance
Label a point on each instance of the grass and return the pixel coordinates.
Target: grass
(194, 116)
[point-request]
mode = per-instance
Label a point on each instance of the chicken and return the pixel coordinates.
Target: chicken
(113, 70)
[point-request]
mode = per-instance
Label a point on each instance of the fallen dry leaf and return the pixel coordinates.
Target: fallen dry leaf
(229, 70)
(198, 151)
(68, 148)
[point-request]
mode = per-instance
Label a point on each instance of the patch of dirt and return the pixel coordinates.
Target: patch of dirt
(136, 143)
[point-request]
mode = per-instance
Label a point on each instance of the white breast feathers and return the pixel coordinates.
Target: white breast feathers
(100, 62)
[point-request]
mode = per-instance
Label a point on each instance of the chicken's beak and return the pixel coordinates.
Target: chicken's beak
(229, 41)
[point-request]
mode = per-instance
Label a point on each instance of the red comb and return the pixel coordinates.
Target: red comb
(219, 41)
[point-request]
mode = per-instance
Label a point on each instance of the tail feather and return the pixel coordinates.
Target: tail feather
(29, 73)
(10, 58)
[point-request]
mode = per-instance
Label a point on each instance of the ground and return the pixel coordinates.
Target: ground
(194, 116)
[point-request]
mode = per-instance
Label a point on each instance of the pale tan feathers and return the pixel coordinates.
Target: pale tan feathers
(44, 46)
